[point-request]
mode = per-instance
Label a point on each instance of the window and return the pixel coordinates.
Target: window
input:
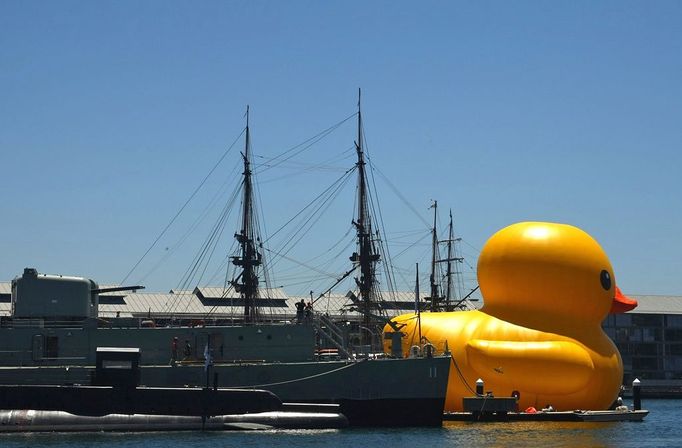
(623, 320)
(653, 375)
(51, 346)
(639, 364)
(117, 364)
(622, 335)
(645, 350)
(647, 320)
(651, 334)
(673, 335)
(674, 321)
(674, 349)
(673, 363)
(634, 334)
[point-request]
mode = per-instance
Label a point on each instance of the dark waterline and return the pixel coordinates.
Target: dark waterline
(659, 429)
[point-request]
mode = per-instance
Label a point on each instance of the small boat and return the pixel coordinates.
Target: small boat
(486, 408)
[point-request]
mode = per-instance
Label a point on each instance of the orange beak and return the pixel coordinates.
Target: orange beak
(622, 303)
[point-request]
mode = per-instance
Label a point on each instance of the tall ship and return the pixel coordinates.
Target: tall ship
(55, 335)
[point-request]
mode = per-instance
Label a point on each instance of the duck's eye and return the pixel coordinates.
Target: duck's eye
(605, 279)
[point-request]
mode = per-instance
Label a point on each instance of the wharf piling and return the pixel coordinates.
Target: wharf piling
(636, 394)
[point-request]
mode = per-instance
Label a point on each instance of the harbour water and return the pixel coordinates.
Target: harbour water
(659, 429)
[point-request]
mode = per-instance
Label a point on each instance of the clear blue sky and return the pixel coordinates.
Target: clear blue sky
(111, 113)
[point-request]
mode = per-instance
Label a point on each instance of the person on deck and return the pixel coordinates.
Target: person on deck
(308, 311)
(620, 406)
(174, 351)
(188, 350)
(300, 307)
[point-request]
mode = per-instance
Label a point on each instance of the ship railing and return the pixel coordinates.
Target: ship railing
(331, 332)
(334, 332)
(189, 320)
(42, 323)
(59, 375)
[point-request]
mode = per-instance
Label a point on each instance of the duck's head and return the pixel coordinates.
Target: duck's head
(535, 271)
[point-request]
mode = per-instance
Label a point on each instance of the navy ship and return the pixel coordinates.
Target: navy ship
(54, 336)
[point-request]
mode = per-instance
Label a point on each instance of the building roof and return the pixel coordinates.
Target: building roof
(5, 298)
(212, 292)
(652, 304)
(160, 303)
(210, 301)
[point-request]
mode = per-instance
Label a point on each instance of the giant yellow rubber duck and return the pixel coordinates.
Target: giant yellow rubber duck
(546, 289)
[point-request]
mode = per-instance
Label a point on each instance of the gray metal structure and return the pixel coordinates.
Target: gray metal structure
(54, 296)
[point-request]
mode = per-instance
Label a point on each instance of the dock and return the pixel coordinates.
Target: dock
(487, 408)
(555, 416)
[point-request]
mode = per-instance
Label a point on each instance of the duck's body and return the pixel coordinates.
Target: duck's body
(546, 289)
(543, 367)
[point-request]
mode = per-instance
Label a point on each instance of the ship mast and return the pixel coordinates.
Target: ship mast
(448, 274)
(367, 256)
(246, 283)
(436, 298)
(434, 250)
(450, 258)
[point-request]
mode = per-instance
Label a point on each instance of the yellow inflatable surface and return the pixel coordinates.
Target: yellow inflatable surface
(546, 289)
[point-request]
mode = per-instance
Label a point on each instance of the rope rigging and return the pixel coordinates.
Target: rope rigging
(201, 217)
(208, 247)
(314, 208)
(319, 269)
(179, 212)
(320, 196)
(306, 144)
(299, 167)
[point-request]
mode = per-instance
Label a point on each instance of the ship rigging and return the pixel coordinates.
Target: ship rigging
(248, 279)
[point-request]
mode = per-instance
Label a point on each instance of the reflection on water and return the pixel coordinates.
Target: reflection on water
(659, 429)
(555, 434)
